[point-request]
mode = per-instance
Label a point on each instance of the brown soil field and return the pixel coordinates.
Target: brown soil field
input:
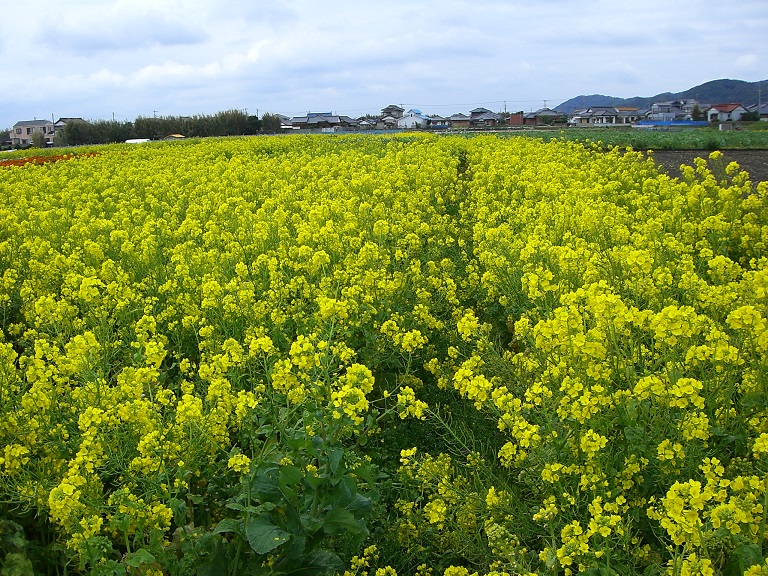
(754, 162)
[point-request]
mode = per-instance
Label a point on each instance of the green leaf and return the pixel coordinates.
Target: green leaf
(263, 536)
(635, 435)
(342, 520)
(16, 564)
(266, 485)
(229, 525)
(324, 562)
(314, 482)
(139, 557)
(600, 570)
(344, 492)
(179, 508)
(743, 557)
(335, 454)
(360, 505)
(216, 559)
(364, 472)
(195, 498)
(315, 446)
(288, 477)
(296, 548)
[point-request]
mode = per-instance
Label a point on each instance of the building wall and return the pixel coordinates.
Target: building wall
(411, 121)
(22, 135)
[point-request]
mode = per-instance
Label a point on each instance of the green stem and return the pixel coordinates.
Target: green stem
(703, 544)
(765, 515)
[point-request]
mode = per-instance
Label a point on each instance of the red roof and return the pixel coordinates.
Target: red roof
(726, 107)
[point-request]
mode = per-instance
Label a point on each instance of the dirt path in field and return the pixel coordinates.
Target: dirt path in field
(755, 162)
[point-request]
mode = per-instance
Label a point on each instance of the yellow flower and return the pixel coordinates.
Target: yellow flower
(761, 444)
(239, 463)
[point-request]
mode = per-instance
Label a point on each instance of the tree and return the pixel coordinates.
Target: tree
(38, 139)
(696, 113)
(252, 125)
(77, 133)
(106, 131)
(271, 123)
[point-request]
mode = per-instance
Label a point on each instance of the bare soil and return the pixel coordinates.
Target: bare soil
(754, 162)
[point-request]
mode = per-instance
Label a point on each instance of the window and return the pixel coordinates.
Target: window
(29, 130)
(18, 130)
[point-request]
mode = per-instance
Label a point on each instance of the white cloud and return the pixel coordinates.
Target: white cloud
(747, 62)
(201, 56)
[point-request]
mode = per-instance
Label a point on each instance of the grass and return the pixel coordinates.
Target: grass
(754, 136)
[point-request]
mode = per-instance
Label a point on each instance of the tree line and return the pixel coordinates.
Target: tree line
(227, 123)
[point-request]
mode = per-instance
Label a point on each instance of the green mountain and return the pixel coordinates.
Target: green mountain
(712, 92)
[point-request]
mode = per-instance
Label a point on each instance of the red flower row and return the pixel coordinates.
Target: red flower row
(41, 159)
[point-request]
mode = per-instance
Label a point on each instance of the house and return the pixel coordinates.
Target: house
(61, 122)
(324, 122)
(763, 115)
(594, 116)
(437, 122)
(386, 122)
(22, 131)
(579, 117)
(413, 119)
(542, 116)
(459, 121)
(671, 110)
(628, 115)
(364, 123)
(605, 116)
(285, 122)
(392, 110)
(664, 111)
(516, 119)
(483, 118)
(726, 112)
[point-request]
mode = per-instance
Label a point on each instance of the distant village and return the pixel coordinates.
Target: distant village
(675, 113)
(680, 112)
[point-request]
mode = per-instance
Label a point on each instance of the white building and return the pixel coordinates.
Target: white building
(726, 112)
(413, 119)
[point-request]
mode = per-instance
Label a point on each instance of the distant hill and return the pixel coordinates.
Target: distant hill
(712, 92)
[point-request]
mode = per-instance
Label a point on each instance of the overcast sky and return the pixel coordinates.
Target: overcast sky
(128, 58)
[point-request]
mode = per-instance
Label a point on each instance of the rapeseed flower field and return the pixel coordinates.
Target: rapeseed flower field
(383, 355)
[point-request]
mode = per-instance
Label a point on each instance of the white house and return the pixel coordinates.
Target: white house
(413, 119)
(726, 112)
